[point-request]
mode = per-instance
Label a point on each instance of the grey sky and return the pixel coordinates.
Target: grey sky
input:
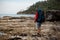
(13, 6)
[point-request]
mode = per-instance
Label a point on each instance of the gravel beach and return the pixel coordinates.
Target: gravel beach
(22, 28)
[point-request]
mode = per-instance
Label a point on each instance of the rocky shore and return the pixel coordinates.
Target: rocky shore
(23, 28)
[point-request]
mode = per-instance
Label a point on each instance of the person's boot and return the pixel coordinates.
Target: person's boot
(38, 34)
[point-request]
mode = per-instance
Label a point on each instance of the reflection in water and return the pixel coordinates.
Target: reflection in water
(1, 33)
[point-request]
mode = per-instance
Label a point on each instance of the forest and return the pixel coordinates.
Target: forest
(44, 5)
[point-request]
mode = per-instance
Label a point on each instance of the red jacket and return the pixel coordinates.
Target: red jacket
(36, 16)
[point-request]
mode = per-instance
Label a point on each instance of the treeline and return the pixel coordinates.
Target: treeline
(44, 5)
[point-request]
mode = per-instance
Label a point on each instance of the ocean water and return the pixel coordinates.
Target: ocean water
(17, 15)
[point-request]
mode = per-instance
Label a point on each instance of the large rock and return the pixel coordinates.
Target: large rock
(53, 15)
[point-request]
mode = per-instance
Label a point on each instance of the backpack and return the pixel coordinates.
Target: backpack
(43, 17)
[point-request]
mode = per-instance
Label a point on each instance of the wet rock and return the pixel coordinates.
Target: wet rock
(6, 30)
(34, 35)
(15, 18)
(53, 38)
(6, 17)
(56, 28)
(23, 34)
(34, 38)
(16, 38)
(22, 20)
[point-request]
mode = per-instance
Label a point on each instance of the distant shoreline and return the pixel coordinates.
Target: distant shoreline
(17, 15)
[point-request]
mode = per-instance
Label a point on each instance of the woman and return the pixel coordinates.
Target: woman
(39, 17)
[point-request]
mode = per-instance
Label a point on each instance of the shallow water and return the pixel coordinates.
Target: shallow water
(1, 33)
(17, 15)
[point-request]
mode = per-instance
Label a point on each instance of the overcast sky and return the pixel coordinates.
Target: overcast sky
(13, 6)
